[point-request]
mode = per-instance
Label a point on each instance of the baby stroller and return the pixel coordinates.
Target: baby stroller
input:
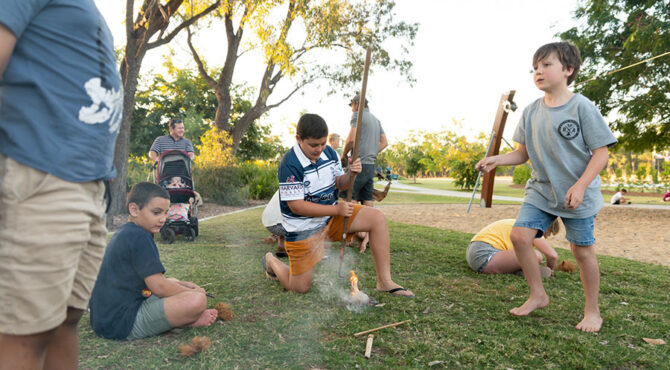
(173, 173)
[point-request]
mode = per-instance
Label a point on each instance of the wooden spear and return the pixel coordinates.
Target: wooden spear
(354, 154)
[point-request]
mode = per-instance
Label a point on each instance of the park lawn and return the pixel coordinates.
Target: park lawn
(503, 187)
(459, 317)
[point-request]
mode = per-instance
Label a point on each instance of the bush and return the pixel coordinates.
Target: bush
(261, 179)
(138, 170)
(220, 184)
(464, 174)
(521, 175)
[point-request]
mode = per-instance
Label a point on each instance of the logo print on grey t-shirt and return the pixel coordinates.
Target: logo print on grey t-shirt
(569, 129)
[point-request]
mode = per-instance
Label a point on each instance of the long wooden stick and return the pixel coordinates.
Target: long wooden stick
(381, 327)
(354, 154)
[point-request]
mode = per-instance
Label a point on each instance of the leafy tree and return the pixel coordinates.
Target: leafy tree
(184, 93)
(413, 164)
(154, 26)
(614, 34)
(288, 33)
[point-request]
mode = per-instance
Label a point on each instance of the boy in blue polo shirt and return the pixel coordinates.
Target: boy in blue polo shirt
(566, 138)
(308, 175)
(132, 299)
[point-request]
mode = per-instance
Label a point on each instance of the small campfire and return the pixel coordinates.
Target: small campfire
(357, 298)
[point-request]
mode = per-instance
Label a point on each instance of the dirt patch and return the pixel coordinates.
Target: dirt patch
(633, 233)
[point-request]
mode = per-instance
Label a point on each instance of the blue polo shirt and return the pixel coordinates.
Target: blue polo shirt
(300, 178)
(61, 97)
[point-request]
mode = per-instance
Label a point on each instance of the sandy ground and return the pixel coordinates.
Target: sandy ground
(638, 234)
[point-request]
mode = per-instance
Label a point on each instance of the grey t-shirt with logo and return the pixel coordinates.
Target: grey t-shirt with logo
(560, 141)
(370, 134)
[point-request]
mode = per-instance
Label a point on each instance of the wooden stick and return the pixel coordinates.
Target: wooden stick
(382, 327)
(368, 345)
(354, 154)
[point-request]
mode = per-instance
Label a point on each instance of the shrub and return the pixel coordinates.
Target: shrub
(220, 184)
(139, 169)
(463, 172)
(521, 175)
(261, 179)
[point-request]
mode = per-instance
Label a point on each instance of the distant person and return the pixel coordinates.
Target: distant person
(619, 198)
(567, 139)
(132, 298)
(174, 140)
(491, 250)
(334, 141)
(372, 142)
(61, 101)
(666, 197)
(308, 175)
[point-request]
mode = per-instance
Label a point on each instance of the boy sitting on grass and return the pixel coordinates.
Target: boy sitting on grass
(308, 175)
(132, 299)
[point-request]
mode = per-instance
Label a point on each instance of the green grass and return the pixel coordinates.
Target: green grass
(459, 317)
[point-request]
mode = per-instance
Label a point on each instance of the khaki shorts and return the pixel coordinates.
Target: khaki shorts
(52, 239)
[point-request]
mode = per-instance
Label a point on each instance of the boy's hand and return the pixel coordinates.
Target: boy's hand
(355, 166)
(345, 208)
(486, 165)
(574, 196)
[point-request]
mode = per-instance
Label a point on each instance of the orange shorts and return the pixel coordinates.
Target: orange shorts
(304, 254)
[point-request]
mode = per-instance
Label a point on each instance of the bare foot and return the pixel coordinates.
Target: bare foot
(206, 319)
(531, 305)
(591, 323)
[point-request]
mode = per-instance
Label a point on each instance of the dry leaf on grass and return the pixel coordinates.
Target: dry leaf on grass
(566, 266)
(224, 311)
(654, 341)
(198, 344)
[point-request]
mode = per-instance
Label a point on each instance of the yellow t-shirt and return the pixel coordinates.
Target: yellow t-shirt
(497, 234)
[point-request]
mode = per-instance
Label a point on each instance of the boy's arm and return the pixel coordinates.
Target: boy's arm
(309, 209)
(162, 287)
(549, 253)
(342, 181)
(518, 156)
(575, 195)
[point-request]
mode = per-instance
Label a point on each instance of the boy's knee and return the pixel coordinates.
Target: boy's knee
(196, 302)
(519, 239)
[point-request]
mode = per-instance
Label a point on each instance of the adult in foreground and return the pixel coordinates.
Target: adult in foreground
(61, 109)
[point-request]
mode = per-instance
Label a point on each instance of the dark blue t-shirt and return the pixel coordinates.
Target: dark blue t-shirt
(61, 97)
(131, 256)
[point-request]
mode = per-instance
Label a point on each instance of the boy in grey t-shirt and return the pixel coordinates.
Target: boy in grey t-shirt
(566, 138)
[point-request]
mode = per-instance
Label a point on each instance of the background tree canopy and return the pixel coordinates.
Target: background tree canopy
(183, 93)
(615, 34)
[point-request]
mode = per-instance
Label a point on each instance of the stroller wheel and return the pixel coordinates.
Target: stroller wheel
(194, 224)
(168, 235)
(189, 234)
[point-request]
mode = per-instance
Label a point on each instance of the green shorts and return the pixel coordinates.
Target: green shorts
(150, 320)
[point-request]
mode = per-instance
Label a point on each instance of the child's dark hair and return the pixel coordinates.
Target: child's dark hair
(312, 126)
(142, 193)
(624, 190)
(566, 52)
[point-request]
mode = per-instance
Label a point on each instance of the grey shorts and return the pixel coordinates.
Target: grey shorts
(150, 320)
(277, 229)
(479, 254)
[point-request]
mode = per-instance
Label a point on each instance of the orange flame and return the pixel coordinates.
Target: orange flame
(354, 282)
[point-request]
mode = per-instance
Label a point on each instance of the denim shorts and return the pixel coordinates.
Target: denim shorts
(578, 231)
(150, 320)
(479, 254)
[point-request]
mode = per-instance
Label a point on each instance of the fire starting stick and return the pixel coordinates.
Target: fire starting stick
(368, 345)
(354, 154)
(381, 327)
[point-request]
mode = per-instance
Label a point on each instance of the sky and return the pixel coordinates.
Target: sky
(466, 55)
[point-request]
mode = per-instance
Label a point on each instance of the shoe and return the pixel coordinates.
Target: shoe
(269, 275)
(398, 289)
